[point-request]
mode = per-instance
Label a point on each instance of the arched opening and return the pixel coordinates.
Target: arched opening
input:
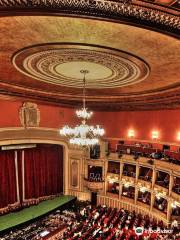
(36, 171)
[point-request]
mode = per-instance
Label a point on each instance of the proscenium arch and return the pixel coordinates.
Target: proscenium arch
(10, 136)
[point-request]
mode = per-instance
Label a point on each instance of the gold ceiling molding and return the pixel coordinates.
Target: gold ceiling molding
(159, 90)
(61, 64)
(163, 16)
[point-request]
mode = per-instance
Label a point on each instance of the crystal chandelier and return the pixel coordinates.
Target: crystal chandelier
(83, 134)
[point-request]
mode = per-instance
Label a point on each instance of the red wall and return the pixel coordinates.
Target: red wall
(50, 116)
(116, 124)
(167, 122)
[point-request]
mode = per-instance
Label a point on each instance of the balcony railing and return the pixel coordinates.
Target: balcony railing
(162, 155)
(93, 186)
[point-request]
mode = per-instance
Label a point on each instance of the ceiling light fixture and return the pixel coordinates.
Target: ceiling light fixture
(83, 134)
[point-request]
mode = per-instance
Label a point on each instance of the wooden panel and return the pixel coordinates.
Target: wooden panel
(75, 173)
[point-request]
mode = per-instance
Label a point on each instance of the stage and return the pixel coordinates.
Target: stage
(29, 214)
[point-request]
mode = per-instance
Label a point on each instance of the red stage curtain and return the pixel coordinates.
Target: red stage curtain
(43, 167)
(19, 158)
(8, 192)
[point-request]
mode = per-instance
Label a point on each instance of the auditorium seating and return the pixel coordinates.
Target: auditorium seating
(38, 229)
(142, 150)
(112, 223)
(88, 223)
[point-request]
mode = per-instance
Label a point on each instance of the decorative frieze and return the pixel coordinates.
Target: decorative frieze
(126, 10)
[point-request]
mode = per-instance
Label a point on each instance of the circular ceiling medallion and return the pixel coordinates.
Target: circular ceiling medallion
(61, 64)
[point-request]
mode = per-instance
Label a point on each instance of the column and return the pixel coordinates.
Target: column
(171, 183)
(121, 170)
(137, 172)
(105, 175)
(136, 187)
(136, 194)
(87, 153)
(66, 172)
(152, 200)
(169, 210)
(102, 149)
(83, 165)
(153, 177)
(120, 189)
(120, 179)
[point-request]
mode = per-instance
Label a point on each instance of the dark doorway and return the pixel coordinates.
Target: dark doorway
(94, 198)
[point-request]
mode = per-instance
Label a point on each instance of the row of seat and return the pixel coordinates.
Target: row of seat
(112, 224)
(145, 151)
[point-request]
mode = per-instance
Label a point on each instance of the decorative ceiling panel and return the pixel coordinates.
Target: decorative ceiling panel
(61, 64)
(157, 14)
(132, 67)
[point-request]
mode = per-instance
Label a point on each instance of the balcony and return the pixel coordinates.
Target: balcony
(158, 188)
(143, 205)
(126, 199)
(93, 186)
(127, 179)
(175, 196)
(112, 195)
(144, 183)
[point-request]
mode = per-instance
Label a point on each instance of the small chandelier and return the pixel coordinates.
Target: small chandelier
(83, 134)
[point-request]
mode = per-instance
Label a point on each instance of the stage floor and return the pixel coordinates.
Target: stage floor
(27, 214)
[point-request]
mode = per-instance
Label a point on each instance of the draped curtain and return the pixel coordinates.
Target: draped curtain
(19, 169)
(8, 191)
(39, 174)
(43, 168)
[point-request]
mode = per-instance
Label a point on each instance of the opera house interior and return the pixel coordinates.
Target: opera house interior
(90, 119)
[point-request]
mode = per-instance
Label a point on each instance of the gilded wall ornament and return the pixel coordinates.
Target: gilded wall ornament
(29, 115)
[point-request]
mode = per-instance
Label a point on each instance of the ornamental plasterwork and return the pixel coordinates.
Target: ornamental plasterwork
(94, 186)
(154, 15)
(60, 64)
(29, 115)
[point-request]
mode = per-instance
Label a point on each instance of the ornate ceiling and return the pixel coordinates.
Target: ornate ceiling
(131, 49)
(61, 64)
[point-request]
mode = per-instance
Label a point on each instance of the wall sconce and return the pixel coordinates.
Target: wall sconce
(173, 205)
(155, 135)
(143, 189)
(158, 196)
(111, 181)
(178, 136)
(127, 185)
(131, 133)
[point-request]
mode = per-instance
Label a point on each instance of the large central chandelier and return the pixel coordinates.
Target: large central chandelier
(83, 134)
